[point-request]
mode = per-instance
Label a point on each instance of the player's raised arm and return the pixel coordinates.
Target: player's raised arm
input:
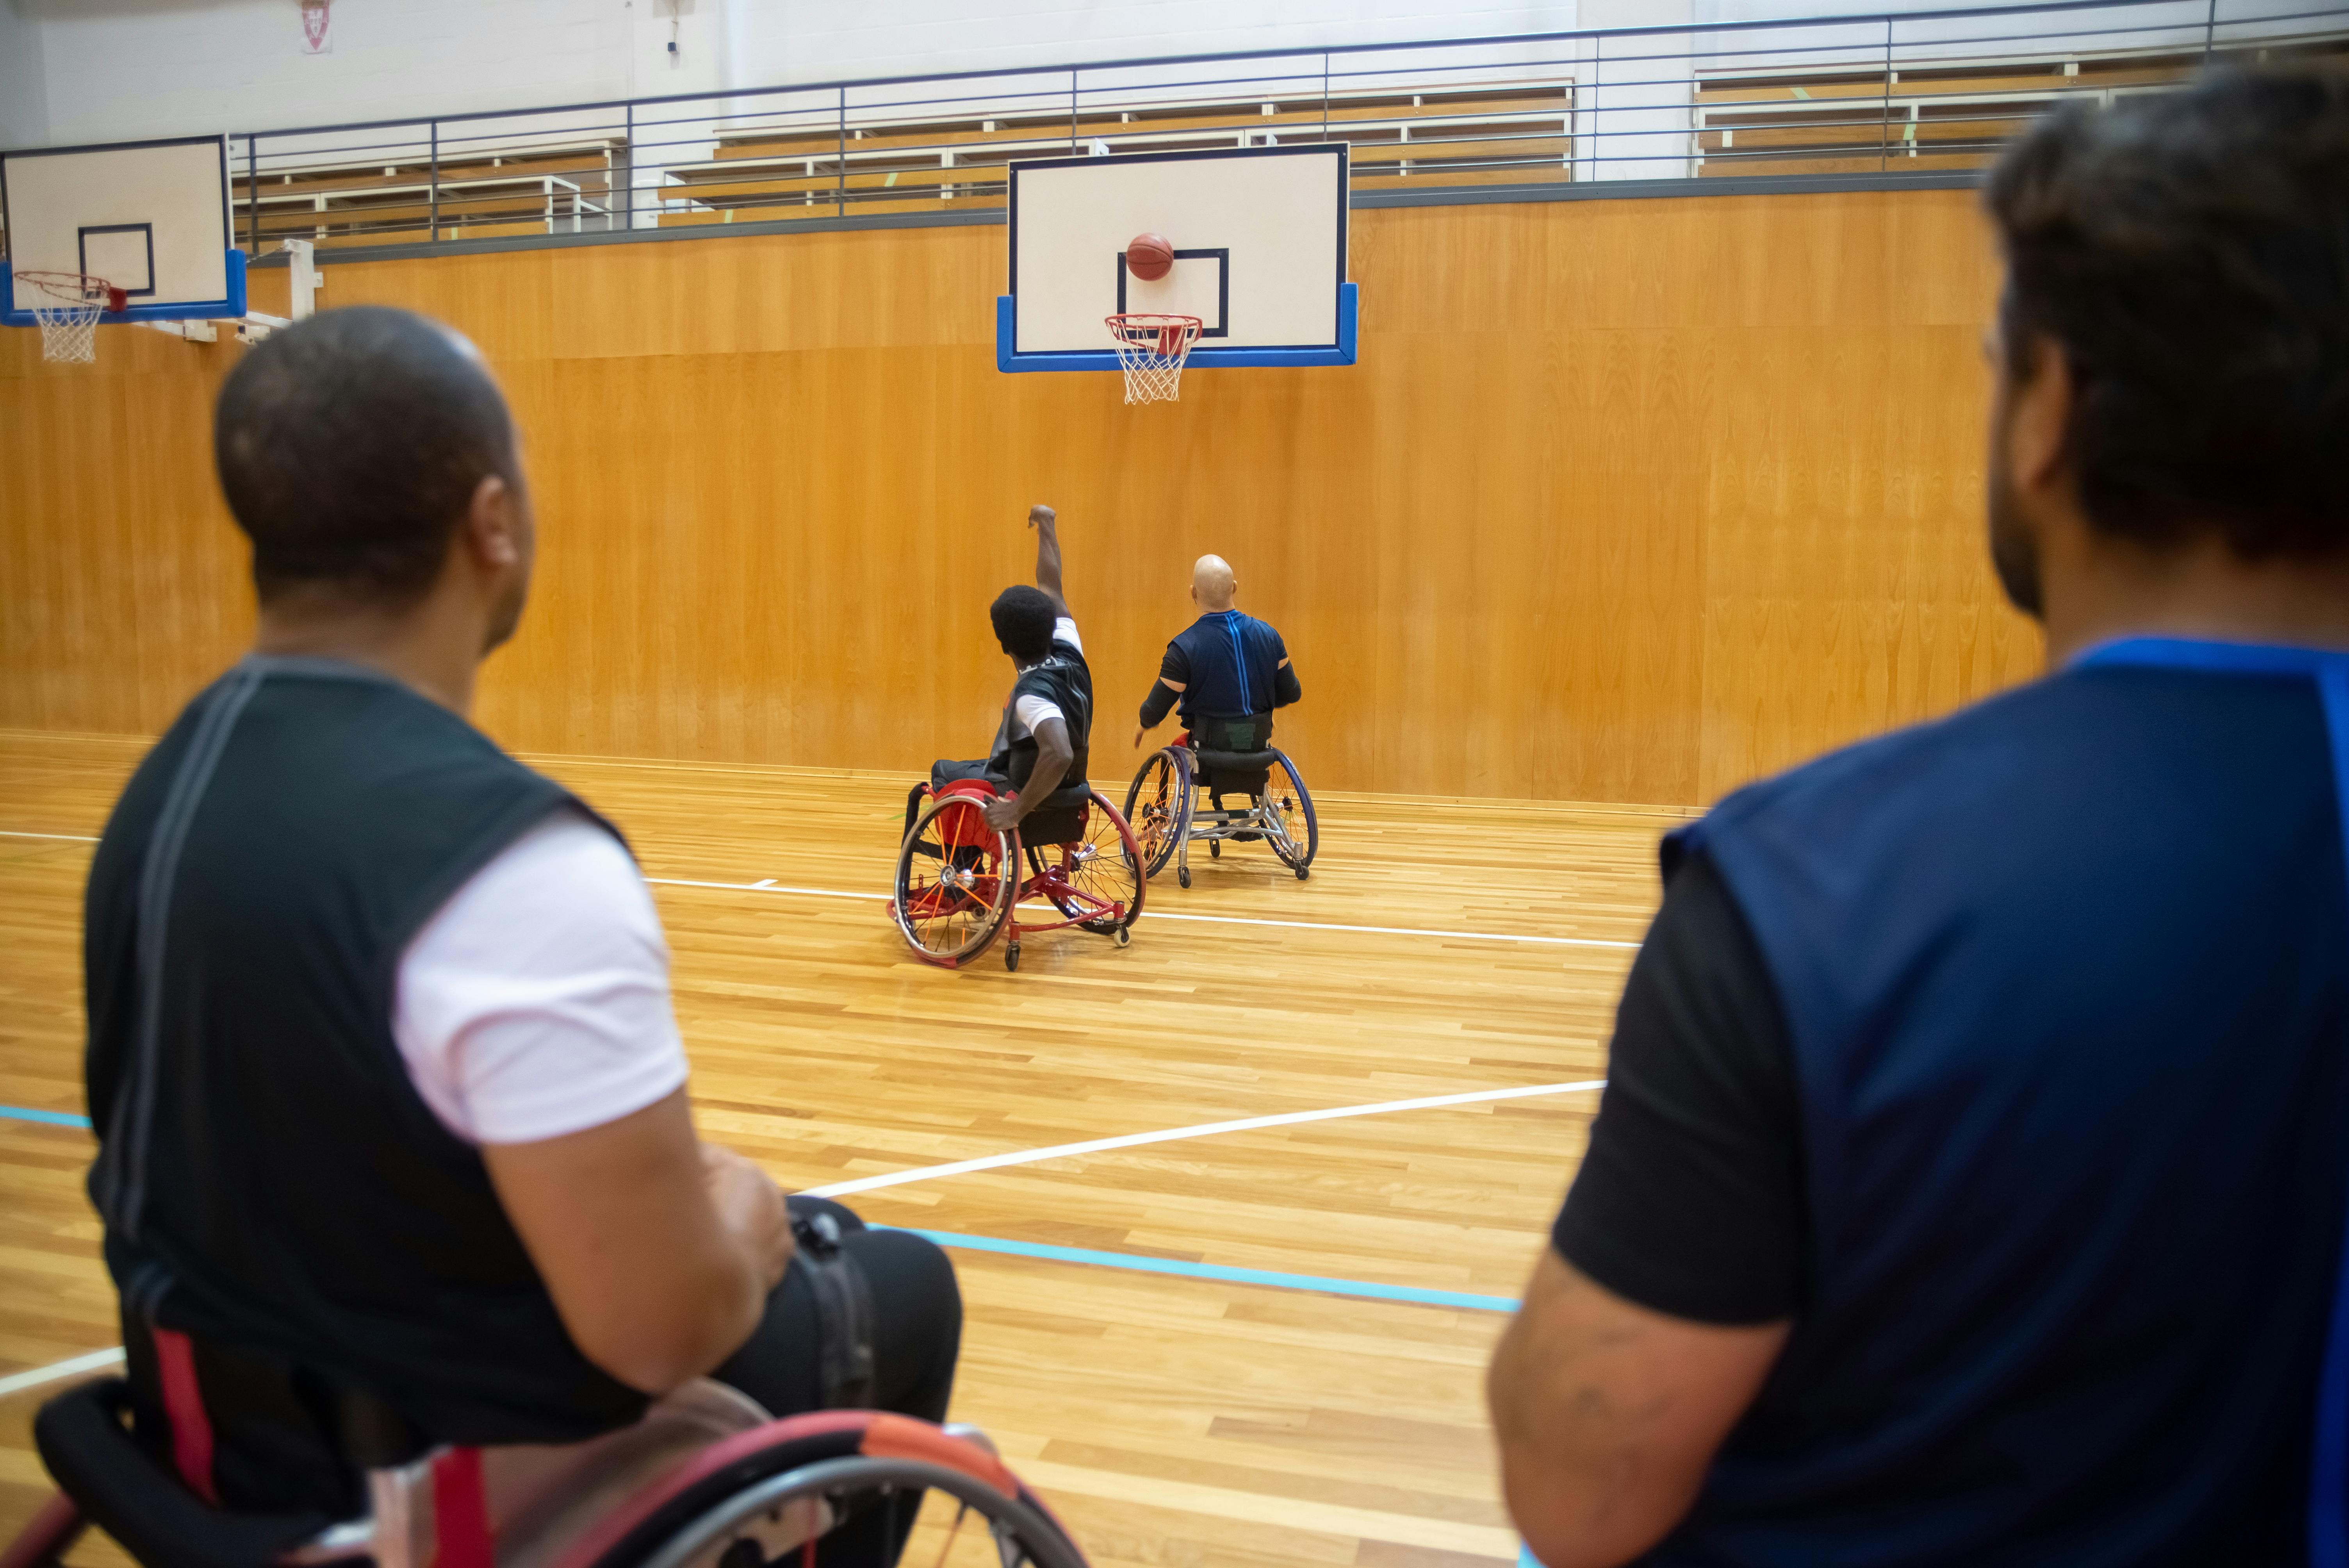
(1048, 553)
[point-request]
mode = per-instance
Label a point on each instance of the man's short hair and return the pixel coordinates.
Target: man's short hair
(349, 447)
(1023, 618)
(2190, 253)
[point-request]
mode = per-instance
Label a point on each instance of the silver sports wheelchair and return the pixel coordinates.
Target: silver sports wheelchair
(1228, 757)
(704, 1480)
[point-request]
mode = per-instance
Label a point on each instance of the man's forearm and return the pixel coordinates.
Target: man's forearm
(1048, 555)
(1050, 768)
(1157, 705)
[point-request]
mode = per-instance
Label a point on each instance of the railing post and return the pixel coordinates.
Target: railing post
(2211, 33)
(432, 186)
(1072, 112)
(840, 200)
(253, 189)
(1884, 142)
(1325, 95)
(629, 199)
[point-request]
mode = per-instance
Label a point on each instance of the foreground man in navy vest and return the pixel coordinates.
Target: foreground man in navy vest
(1227, 670)
(390, 1100)
(1969, 1184)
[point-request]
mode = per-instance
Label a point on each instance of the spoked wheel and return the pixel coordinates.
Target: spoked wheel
(790, 1507)
(1158, 807)
(1296, 834)
(953, 895)
(1098, 881)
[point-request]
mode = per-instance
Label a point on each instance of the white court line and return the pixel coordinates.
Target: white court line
(1205, 1130)
(770, 885)
(1209, 919)
(40, 1374)
(98, 1358)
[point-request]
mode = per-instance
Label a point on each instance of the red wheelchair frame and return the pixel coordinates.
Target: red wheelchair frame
(950, 918)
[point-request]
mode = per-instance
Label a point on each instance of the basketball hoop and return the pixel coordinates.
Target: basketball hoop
(1152, 350)
(68, 307)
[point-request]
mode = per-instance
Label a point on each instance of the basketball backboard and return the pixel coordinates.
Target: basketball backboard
(1259, 241)
(151, 217)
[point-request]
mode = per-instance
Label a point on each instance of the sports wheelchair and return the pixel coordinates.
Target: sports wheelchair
(958, 887)
(704, 1480)
(1163, 801)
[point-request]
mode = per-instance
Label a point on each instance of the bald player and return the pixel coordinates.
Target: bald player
(1227, 670)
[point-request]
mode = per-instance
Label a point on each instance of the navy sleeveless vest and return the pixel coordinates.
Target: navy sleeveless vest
(2066, 980)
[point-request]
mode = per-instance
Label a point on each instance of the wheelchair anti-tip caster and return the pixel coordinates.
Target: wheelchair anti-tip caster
(1215, 848)
(1124, 936)
(1302, 874)
(1183, 875)
(1011, 957)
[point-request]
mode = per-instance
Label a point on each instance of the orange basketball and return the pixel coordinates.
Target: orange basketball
(1149, 257)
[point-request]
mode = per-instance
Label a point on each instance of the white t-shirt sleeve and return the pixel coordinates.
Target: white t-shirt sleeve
(1031, 710)
(1064, 630)
(535, 1002)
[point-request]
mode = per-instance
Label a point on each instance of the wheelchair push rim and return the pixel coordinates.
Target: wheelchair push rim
(1289, 809)
(1158, 807)
(1096, 882)
(951, 898)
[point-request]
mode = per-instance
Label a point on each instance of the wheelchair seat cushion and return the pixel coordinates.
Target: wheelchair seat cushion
(1059, 819)
(1243, 772)
(132, 1496)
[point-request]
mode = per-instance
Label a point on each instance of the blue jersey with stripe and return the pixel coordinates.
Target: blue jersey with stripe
(2064, 985)
(1228, 664)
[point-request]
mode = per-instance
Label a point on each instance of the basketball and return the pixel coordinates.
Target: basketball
(1149, 257)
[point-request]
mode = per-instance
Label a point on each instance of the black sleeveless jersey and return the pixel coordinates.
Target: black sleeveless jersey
(1063, 678)
(269, 1178)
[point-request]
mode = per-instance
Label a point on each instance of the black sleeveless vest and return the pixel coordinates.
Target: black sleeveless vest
(1063, 678)
(269, 1178)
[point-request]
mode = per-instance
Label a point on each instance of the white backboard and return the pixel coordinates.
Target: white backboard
(150, 217)
(1259, 241)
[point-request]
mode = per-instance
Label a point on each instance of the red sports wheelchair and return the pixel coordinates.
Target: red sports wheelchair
(958, 887)
(704, 1480)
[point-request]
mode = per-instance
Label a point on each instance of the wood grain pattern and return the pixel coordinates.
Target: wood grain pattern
(1628, 501)
(1171, 1420)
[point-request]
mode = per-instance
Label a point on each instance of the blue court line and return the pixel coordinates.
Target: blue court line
(1417, 1295)
(1327, 1286)
(54, 1117)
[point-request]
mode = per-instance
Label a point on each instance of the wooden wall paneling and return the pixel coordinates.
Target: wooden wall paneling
(1628, 501)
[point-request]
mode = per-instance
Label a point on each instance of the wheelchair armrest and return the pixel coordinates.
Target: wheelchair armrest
(95, 1462)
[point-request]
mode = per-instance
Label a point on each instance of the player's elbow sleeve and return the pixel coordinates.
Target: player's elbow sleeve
(1285, 688)
(1155, 705)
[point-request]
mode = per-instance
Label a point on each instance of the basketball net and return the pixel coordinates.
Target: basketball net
(68, 306)
(1152, 350)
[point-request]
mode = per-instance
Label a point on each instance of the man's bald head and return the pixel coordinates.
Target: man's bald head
(1212, 582)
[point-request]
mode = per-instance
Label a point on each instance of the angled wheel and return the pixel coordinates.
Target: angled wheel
(779, 1500)
(1296, 834)
(1097, 882)
(954, 889)
(1158, 806)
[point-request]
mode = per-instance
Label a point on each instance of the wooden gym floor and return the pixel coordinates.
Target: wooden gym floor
(1173, 1420)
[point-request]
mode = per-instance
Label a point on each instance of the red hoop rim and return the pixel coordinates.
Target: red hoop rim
(75, 288)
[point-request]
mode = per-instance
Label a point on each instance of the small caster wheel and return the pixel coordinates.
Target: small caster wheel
(1011, 957)
(1215, 848)
(1302, 874)
(1183, 876)
(1124, 936)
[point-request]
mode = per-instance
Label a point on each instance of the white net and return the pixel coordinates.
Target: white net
(1152, 350)
(67, 308)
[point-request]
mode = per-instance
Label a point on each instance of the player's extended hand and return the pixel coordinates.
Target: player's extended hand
(1138, 737)
(1040, 514)
(1002, 813)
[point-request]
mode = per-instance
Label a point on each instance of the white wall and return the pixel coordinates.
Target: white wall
(24, 95)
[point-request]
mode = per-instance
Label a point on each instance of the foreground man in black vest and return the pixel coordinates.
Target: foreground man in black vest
(1970, 1183)
(390, 1100)
(1045, 738)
